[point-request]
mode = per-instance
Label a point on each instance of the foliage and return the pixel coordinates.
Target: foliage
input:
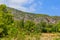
(19, 28)
(6, 22)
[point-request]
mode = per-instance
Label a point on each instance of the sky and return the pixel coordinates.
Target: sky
(49, 7)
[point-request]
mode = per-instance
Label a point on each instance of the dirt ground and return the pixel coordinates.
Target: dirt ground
(49, 36)
(44, 36)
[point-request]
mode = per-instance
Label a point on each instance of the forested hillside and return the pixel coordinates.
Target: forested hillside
(17, 24)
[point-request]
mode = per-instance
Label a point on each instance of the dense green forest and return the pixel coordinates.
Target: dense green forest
(11, 28)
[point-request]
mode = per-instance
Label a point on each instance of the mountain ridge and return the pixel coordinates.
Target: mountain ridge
(19, 15)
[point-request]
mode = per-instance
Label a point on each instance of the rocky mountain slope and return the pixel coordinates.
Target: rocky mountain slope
(19, 15)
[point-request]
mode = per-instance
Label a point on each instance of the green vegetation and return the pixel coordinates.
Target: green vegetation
(17, 29)
(7, 27)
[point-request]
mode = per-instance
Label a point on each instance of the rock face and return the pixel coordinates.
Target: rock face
(19, 15)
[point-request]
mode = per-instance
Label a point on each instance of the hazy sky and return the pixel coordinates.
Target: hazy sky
(50, 7)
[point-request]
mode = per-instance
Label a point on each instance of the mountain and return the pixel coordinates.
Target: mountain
(19, 15)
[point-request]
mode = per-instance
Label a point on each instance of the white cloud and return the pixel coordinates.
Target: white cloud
(1, 1)
(18, 4)
(30, 9)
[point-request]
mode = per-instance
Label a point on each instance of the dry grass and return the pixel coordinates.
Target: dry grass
(43, 36)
